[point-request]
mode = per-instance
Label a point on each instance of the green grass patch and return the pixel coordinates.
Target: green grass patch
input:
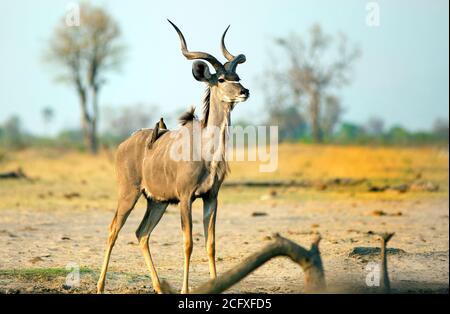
(41, 273)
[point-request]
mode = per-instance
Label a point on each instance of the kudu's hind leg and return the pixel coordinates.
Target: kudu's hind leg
(125, 206)
(154, 212)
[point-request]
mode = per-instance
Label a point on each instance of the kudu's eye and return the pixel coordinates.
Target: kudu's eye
(221, 80)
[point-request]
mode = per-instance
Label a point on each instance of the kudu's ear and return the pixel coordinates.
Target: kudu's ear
(200, 71)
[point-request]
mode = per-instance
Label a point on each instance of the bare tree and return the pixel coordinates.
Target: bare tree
(375, 126)
(86, 53)
(316, 68)
(331, 114)
(47, 115)
(440, 128)
(127, 119)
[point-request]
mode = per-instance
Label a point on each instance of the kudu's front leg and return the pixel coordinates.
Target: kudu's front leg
(209, 224)
(186, 226)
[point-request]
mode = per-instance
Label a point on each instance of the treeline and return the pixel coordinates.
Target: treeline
(293, 126)
(118, 124)
(350, 133)
(13, 136)
(124, 122)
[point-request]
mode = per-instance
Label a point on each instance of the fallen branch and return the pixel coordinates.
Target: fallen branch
(309, 260)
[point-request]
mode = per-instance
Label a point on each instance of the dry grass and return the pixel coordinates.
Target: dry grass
(378, 164)
(72, 180)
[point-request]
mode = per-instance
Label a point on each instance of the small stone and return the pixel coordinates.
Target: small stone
(36, 259)
(258, 214)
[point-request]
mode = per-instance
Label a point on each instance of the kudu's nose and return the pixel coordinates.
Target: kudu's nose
(245, 92)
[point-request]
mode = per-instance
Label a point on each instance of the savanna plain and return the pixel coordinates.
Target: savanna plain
(55, 220)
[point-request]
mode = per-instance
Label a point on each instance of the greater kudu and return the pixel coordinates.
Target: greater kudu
(163, 180)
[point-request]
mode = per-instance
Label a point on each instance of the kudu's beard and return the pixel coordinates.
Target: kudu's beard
(241, 99)
(236, 100)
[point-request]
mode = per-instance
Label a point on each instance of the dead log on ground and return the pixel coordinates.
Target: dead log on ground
(270, 183)
(296, 183)
(309, 260)
(16, 174)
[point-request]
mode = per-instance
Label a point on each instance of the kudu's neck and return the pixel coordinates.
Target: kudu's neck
(219, 111)
(216, 126)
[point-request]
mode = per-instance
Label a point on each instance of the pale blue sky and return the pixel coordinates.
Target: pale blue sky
(403, 75)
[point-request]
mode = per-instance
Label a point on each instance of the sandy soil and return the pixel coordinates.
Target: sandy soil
(53, 239)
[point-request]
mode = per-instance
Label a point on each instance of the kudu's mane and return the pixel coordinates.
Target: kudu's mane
(190, 114)
(206, 101)
(187, 116)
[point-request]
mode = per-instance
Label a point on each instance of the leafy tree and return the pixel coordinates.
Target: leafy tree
(290, 122)
(13, 134)
(398, 134)
(349, 132)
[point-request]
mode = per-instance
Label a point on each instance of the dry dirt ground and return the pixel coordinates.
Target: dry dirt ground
(37, 245)
(59, 217)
